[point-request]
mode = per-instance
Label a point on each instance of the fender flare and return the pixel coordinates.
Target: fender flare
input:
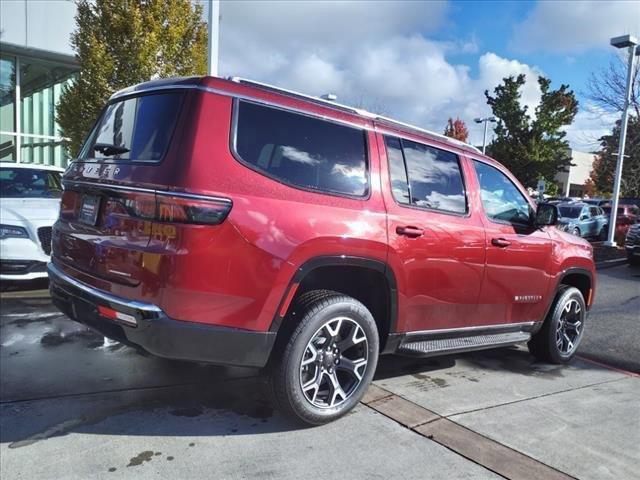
(336, 261)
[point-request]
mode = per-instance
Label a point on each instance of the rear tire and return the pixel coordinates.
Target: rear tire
(326, 365)
(563, 329)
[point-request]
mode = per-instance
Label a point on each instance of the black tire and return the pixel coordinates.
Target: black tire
(604, 231)
(544, 344)
(312, 311)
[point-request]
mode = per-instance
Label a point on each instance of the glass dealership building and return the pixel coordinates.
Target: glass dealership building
(36, 61)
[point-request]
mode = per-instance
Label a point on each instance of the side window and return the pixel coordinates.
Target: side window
(501, 200)
(397, 170)
(434, 176)
(302, 151)
(594, 211)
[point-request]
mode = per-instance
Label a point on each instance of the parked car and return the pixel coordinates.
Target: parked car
(632, 244)
(230, 222)
(627, 215)
(598, 202)
(583, 220)
(29, 205)
(558, 200)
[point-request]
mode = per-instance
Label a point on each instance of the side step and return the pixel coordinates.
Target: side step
(427, 348)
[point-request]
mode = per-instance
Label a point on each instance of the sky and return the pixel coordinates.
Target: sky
(425, 61)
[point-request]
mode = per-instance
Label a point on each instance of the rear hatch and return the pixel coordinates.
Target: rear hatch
(119, 194)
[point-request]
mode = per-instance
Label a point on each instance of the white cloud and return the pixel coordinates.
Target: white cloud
(576, 26)
(377, 58)
(590, 124)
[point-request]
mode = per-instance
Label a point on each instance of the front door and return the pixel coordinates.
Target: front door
(518, 254)
(436, 241)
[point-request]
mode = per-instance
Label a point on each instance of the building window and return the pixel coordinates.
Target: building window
(29, 92)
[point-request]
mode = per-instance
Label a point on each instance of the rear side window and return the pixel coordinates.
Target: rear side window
(135, 129)
(302, 151)
(425, 176)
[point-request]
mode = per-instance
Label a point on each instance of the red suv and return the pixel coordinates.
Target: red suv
(231, 222)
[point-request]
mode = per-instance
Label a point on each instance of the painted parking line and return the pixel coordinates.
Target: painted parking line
(473, 446)
(608, 367)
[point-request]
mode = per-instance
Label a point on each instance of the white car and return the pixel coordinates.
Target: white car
(29, 206)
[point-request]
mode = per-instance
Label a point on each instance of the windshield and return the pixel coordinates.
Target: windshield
(29, 183)
(134, 129)
(570, 212)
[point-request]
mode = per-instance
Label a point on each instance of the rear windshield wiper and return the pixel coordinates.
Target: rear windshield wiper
(108, 149)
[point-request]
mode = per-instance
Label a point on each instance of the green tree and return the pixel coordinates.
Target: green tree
(531, 148)
(119, 43)
(604, 167)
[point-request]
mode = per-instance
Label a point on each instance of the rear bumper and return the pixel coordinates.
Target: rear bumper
(155, 331)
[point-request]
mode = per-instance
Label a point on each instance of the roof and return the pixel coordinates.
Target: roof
(204, 82)
(32, 166)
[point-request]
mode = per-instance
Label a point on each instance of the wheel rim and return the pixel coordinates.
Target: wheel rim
(576, 232)
(570, 327)
(334, 362)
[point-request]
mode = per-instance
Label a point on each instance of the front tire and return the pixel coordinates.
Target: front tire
(563, 329)
(576, 232)
(328, 362)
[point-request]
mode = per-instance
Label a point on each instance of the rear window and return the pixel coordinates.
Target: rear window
(302, 151)
(134, 129)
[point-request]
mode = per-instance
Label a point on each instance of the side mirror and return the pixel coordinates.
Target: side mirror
(583, 217)
(546, 214)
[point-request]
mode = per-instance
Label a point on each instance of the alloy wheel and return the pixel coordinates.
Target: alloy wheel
(570, 327)
(334, 362)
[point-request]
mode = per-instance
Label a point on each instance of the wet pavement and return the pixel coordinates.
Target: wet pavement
(75, 406)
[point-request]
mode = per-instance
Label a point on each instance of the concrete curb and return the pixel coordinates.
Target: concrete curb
(611, 263)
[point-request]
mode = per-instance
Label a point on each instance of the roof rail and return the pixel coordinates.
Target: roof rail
(354, 110)
(311, 98)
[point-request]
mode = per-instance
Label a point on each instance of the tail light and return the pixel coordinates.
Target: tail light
(192, 209)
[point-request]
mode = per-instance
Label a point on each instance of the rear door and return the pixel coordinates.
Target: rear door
(518, 254)
(109, 203)
(436, 240)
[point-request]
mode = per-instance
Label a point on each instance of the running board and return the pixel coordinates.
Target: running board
(443, 346)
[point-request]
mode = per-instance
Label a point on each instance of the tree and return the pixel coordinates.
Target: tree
(531, 148)
(457, 129)
(607, 87)
(604, 167)
(119, 43)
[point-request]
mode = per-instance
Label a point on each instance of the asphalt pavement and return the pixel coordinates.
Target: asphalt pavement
(73, 405)
(613, 329)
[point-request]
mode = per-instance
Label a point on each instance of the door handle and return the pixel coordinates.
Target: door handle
(409, 231)
(500, 242)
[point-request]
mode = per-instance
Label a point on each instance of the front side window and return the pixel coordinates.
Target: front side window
(302, 151)
(134, 129)
(434, 176)
(501, 200)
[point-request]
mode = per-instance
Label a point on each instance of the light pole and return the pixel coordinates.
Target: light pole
(213, 26)
(485, 120)
(630, 42)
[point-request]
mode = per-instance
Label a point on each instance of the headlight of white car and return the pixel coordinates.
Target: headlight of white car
(11, 231)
